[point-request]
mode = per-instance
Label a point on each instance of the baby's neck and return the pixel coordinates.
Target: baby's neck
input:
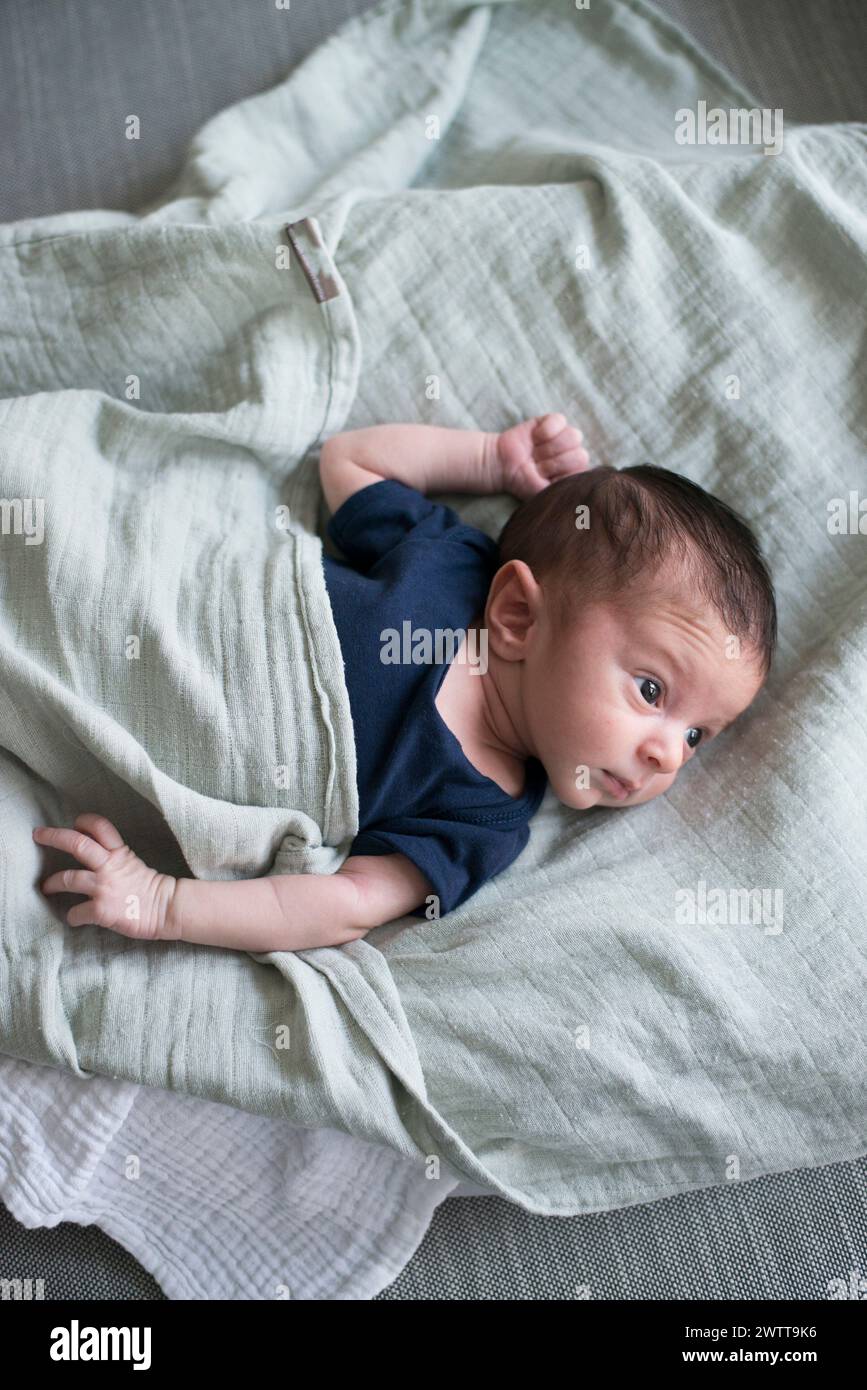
(470, 705)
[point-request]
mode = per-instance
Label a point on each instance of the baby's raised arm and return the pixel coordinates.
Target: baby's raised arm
(432, 458)
(281, 912)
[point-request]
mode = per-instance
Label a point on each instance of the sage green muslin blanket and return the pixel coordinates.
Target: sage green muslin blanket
(493, 216)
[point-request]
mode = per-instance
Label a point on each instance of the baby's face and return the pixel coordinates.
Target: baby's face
(631, 692)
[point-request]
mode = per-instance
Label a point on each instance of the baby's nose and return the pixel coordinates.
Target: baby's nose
(664, 754)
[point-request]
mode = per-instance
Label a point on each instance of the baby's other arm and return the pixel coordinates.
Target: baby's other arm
(294, 912)
(280, 912)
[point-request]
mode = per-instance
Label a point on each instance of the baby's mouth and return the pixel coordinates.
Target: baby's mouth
(616, 787)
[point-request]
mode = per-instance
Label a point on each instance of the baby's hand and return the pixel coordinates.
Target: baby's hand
(538, 451)
(123, 893)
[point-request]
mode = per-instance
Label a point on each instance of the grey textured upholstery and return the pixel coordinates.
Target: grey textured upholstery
(785, 1236)
(69, 76)
(808, 59)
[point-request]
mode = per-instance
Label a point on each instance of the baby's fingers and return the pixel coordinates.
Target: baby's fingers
(72, 842)
(566, 441)
(82, 915)
(558, 446)
(100, 829)
(70, 881)
(552, 434)
(547, 427)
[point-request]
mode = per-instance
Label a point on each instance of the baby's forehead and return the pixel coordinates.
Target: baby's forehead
(685, 623)
(670, 597)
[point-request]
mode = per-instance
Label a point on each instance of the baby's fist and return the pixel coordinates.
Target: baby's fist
(537, 452)
(123, 893)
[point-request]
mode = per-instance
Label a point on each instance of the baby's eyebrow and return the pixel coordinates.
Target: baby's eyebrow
(683, 672)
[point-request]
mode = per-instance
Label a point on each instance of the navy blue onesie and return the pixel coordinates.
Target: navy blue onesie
(414, 560)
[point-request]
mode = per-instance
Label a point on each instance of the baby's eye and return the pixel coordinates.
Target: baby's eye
(650, 689)
(693, 742)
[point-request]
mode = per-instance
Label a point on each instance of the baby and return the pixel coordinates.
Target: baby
(624, 618)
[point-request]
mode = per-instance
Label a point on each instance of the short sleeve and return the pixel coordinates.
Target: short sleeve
(456, 857)
(376, 519)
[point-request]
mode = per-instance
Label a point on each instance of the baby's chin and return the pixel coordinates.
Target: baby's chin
(584, 798)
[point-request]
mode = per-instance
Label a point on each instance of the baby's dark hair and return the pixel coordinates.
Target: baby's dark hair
(637, 518)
